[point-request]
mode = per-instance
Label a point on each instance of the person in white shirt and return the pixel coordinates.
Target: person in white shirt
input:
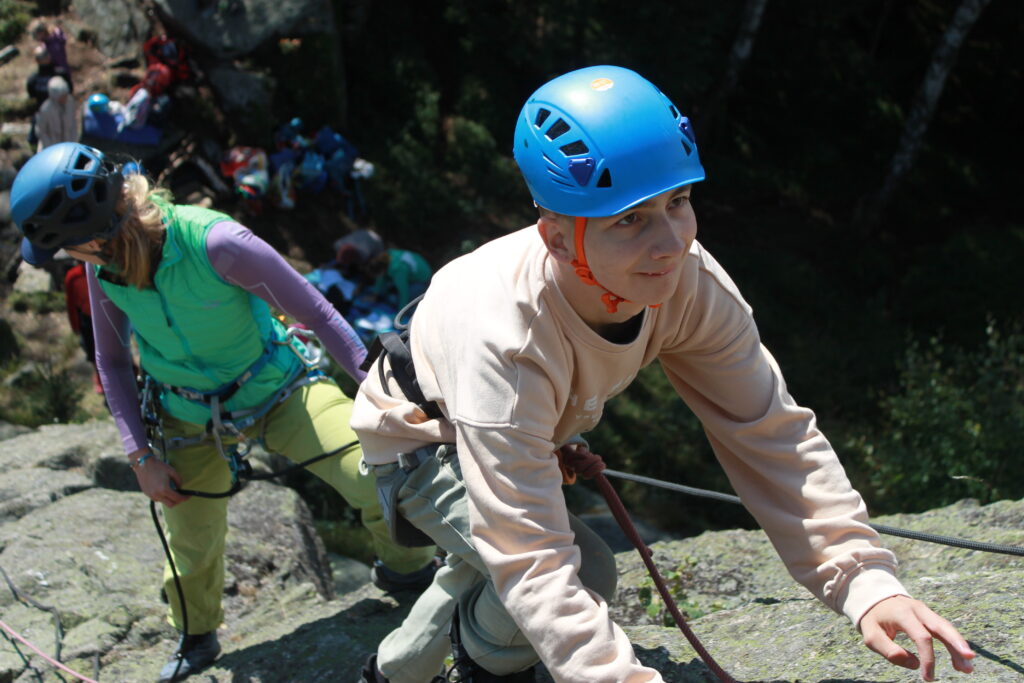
(57, 119)
(516, 348)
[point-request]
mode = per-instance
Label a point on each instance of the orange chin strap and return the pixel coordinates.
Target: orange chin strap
(583, 272)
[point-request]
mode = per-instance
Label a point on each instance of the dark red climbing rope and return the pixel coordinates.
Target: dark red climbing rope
(577, 459)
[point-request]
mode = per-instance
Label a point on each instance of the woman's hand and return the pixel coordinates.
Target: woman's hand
(882, 622)
(155, 479)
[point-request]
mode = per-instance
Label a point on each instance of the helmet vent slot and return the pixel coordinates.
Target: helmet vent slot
(605, 180)
(675, 112)
(50, 204)
(542, 116)
(82, 162)
(686, 148)
(558, 128)
(574, 148)
(686, 129)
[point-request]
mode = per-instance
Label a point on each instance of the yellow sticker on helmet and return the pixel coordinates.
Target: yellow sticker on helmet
(601, 84)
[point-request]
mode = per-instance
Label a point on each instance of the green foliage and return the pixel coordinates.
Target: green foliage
(45, 394)
(39, 303)
(678, 582)
(14, 18)
(954, 428)
(437, 172)
(307, 79)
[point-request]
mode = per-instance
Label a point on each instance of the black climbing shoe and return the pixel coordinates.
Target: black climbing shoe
(471, 672)
(390, 581)
(194, 653)
(371, 674)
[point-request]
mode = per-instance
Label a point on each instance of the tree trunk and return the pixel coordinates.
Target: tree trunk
(921, 111)
(750, 22)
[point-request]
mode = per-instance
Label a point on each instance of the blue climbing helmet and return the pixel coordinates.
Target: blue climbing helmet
(596, 141)
(63, 196)
(98, 102)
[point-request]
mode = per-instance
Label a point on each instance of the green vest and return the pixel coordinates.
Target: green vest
(196, 331)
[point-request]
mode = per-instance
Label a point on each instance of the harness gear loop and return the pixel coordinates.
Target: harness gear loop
(232, 423)
(578, 459)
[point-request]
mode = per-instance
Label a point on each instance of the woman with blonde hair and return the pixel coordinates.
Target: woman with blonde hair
(193, 287)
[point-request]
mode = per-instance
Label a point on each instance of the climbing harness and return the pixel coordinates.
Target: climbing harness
(225, 424)
(395, 345)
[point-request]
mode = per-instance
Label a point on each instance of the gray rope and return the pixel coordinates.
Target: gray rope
(880, 528)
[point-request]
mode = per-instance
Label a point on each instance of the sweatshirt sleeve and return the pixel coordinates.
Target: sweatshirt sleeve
(114, 364)
(780, 464)
(243, 259)
(520, 528)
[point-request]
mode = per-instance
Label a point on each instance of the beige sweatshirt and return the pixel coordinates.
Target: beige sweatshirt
(518, 373)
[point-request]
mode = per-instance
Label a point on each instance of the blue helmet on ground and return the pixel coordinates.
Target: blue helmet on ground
(596, 141)
(98, 102)
(63, 196)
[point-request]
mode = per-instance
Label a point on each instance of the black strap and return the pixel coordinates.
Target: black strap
(394, 346)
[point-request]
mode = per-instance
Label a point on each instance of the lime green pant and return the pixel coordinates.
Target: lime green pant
(313, 420)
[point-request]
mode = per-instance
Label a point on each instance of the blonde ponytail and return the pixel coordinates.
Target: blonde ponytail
(137, 246)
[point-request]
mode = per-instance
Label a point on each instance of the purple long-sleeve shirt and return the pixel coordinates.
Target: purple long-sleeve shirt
(240, 258)
(55, 44)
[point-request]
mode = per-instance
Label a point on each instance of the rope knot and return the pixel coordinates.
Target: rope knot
(576, 459)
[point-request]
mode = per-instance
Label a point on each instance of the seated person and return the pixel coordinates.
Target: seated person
(399, 272)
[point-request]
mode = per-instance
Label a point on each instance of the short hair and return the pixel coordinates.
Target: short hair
(38, 25)
(57, 86)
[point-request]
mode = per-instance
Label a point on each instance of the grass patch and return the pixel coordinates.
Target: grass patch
(40, 394)
(14, 18)
(39, 303)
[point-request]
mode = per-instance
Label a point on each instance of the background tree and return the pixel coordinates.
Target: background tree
(921, 111)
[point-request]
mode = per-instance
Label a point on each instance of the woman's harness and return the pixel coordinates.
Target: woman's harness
(233, 423)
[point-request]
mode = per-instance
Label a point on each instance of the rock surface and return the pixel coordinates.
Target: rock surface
(231, 28)
(75, 535)
(120, 26)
